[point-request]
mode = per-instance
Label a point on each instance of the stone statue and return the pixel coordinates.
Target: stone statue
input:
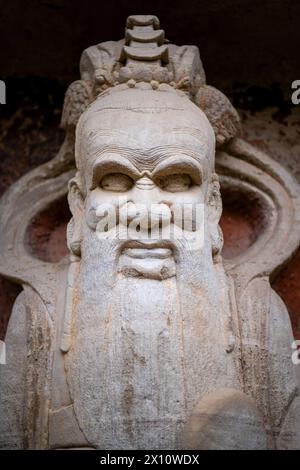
(149, 341)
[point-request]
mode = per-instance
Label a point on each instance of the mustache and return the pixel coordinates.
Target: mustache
(192, 267)
(119, 240)
(111, 246)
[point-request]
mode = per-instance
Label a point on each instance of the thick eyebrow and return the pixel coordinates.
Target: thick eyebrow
(112, 164)
(180, 164)
(115, 163)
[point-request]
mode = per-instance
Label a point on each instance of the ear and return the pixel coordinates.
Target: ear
(214, 204)
(76, 204)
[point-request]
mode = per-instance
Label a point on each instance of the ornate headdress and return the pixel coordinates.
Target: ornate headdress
(146, 56)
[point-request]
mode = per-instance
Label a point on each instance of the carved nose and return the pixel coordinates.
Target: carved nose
(144, 183)
(145, 207)
(148, 216)
(145, 192)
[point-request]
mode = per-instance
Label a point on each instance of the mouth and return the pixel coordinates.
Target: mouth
(147, 259)
(147, 249)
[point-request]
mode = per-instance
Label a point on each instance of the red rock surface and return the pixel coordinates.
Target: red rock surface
(46, 236)
(287, 285)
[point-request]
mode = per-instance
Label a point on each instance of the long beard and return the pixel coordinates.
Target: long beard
(145, 351)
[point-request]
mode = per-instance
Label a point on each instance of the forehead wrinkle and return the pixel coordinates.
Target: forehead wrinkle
(147, 159)
(195, 132)
(91, 139)
(139, 109)
(110, 136)
(141, 160)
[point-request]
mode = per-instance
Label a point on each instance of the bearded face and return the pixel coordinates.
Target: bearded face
(145, 162)
(148, 316)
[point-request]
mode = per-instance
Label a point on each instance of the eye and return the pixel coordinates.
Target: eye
(175, 183)
(116, 182)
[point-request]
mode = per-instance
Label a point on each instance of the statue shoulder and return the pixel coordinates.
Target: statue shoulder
(28, 365)
(13, 378)
(279, 326)
(266, 337)
(283, 374)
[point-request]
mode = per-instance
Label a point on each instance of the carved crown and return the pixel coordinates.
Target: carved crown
(144, 55)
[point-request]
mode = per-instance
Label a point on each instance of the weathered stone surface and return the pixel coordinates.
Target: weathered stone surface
(151, 341)
(227, 419)
(13, 379)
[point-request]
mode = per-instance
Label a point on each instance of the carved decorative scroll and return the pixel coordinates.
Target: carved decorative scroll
(247, 170)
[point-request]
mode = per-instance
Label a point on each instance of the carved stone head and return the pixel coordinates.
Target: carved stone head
(145, 161)
(145, 149)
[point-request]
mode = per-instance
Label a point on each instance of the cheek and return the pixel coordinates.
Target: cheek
(188, 208)
(100, 204)
(194, 195)
(98, 196)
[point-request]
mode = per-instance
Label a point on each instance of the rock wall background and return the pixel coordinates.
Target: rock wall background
(249, 51)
